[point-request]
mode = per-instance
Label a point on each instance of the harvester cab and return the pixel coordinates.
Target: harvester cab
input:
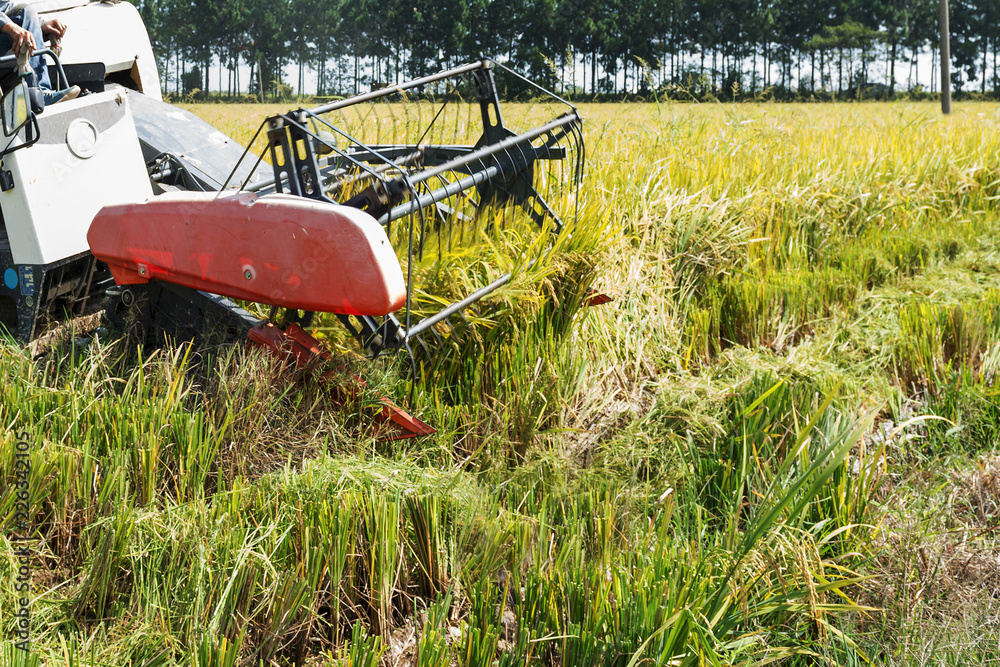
(119, 201)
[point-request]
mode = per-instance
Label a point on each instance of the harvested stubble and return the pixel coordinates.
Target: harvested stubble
(784, 276)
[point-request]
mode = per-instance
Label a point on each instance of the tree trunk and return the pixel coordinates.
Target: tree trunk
(840, 73)
(812, 72)
(864, 70)
(933, 69)
(892, 70)
(986, 52)
(767, 67)
(714, 68)
(701, 72)
(593, 72)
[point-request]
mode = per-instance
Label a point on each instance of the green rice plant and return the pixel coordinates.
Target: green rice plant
(740, 464)
(162, 447)
(481, 631)
(212, 652)
(669, 478)
(362, 651)
(431, 529)
(72, 652)
(95, 645)
(966, 401)
(241, 561)
(290, 599)
(701, 338)
(935, 339)
(749, 465)
(483, 543)
(667, 600)
(506, 354)
(13, 656)
(789, 503)
(380, 554)
(432, 646)
(107, 586)
(327, 534)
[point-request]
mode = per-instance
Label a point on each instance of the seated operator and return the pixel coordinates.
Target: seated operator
(22, 27)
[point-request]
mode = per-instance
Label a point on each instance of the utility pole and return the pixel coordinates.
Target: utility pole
(945, 61)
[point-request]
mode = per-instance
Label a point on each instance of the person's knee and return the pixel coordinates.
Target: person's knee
(27, 18)
(27, 12)
(31, 19)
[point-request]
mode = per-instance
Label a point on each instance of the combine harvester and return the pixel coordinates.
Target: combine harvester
(119, 200)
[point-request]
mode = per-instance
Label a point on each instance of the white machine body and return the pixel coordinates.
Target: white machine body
(72, 159)
(87, 156)
(117, 144)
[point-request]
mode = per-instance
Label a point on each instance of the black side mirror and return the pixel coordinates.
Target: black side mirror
(15, 109)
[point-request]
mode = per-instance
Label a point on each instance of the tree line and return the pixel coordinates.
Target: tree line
(728, 48)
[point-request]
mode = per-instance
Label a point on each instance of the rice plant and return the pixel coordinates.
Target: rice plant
(762, 450)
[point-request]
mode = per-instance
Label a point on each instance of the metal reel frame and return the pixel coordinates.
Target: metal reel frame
(415, 181)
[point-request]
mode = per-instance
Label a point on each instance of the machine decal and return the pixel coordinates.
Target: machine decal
(10, 278)
(27, 280)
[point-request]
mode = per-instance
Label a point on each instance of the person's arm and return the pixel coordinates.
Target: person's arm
(18, 35)
(54, 29)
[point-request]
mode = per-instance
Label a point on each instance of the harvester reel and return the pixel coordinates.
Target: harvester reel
(428, 179)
